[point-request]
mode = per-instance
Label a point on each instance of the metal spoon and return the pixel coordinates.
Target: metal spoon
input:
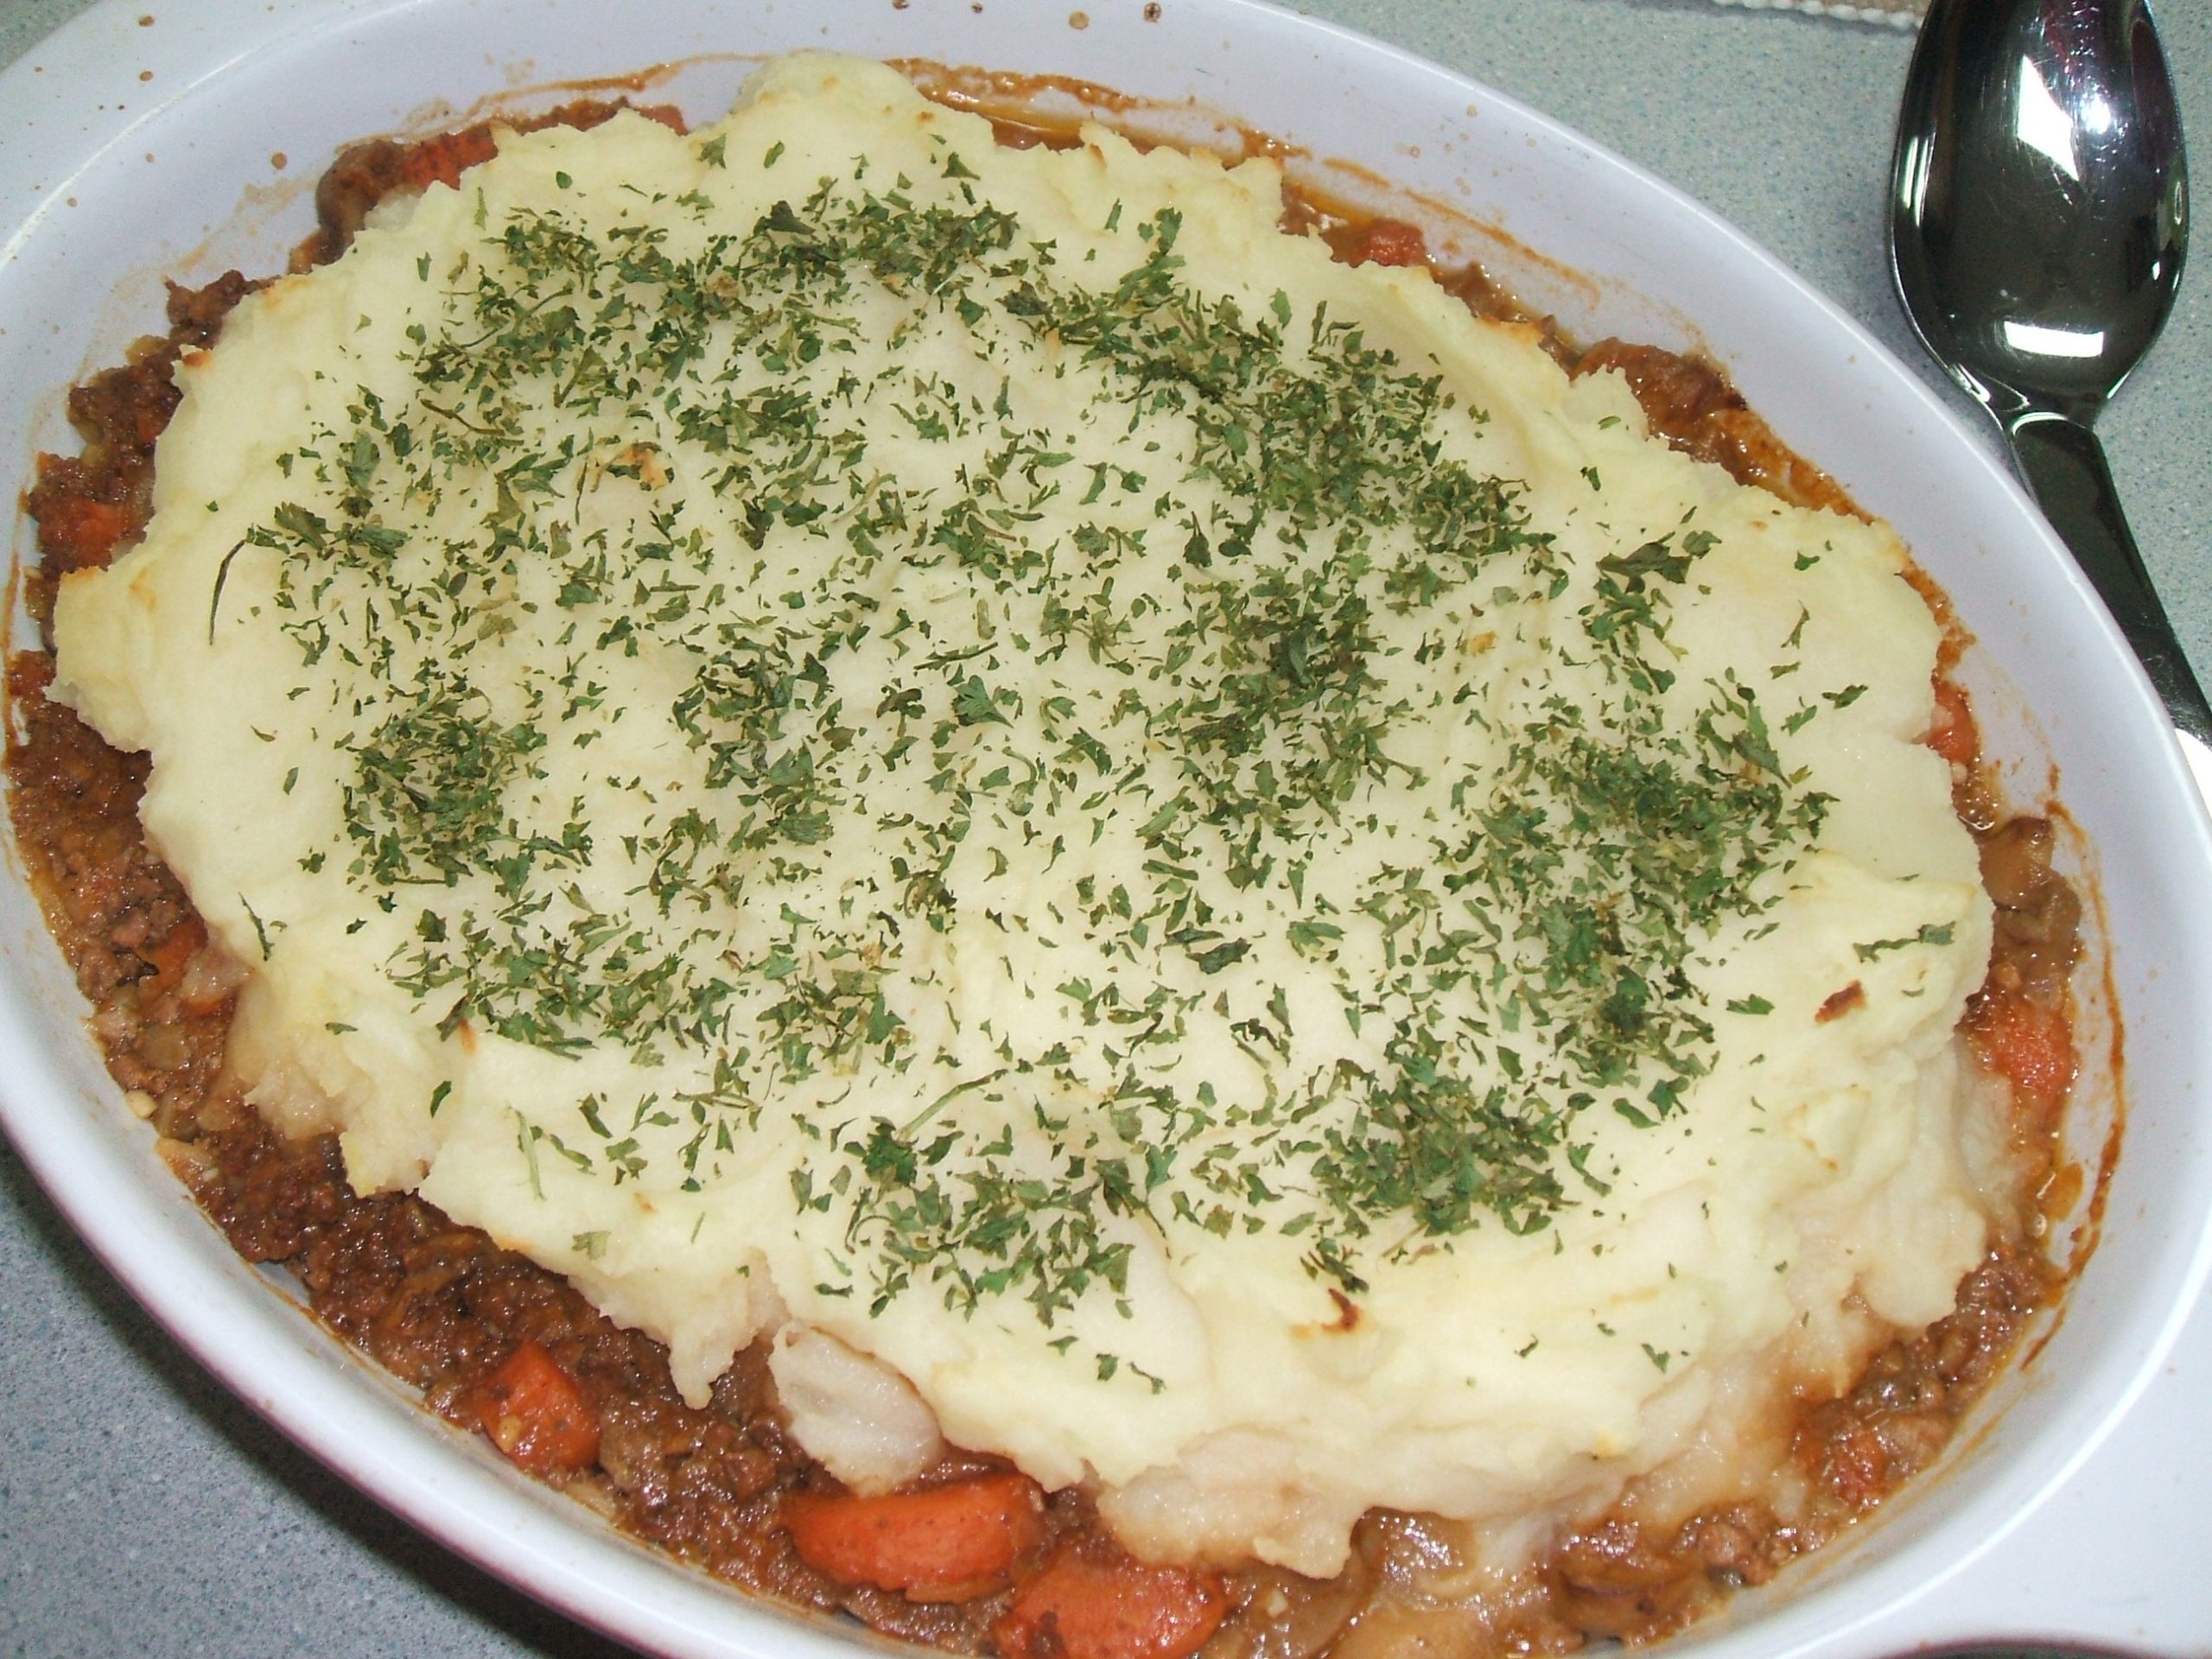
(2037, 222)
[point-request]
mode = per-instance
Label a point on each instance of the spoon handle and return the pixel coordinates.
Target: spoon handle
(2064, 465)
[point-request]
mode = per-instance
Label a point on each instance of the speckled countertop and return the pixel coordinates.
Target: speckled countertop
(143, 1512)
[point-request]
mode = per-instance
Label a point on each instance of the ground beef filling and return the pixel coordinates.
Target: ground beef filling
(499, 1344)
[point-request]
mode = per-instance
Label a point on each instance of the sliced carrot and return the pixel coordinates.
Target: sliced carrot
(1954, 736)
(442, 160)
(1391, 242)
(1093, 1603)
(2024, 1042)
(944, 1543)
(535, 1414)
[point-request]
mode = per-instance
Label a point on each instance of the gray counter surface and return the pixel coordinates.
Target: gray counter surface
(145, 1511)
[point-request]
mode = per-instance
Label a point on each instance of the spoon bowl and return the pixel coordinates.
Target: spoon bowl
(2039, 220)
(2041, 196)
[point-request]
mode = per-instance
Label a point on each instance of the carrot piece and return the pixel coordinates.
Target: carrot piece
(442, 160)
(80, 534)
(944, 1543)
(2028, 1045)
(535, 1414)
(1088, 1604)
(179, 947)
(1954, 736)
(1391, 242)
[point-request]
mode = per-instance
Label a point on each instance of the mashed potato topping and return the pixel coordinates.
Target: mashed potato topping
(1165, 856)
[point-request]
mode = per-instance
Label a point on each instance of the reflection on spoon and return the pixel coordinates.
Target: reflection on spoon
(2038, 219)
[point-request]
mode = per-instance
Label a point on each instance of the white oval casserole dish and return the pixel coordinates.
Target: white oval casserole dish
(92, 227)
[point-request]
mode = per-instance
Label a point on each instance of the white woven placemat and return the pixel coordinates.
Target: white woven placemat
(1901, 14)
